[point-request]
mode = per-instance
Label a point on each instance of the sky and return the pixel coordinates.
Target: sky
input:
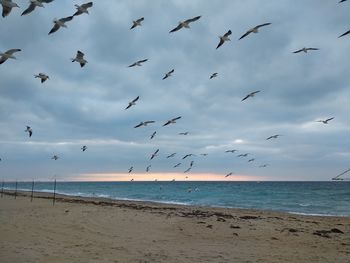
(86, 106)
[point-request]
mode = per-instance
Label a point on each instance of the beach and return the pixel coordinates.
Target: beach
(78, 229)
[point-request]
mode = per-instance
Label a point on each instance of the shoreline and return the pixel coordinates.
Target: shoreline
(116, 202)
(85, 229)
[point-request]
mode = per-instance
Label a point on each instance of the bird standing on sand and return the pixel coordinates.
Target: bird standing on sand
(168, 74)
(33, 4)
(172, 121)
(252, 94)
(84, 148)
(137, 22)
(185, 24)
(7, 6)
(132, 103)
(143, 123)
(81, 9)
(254, 30)
(224, 38)
(8, 54)
(60, 23)
(29, 130)
(305, 49)
(43, 77)
(79, 58)
(138, 63)
(154, 154)
(273, 137)
(325, 121)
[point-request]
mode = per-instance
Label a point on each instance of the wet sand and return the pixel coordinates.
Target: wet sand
(100, 230)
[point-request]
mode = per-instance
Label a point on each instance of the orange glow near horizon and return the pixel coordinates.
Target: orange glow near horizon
(164, 177)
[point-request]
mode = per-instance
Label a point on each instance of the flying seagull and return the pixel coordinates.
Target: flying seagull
(341, 1)
(183, 133)
(263, 165)
(189, 169)
(214, 75)
(172, 121)
(185, 24)
(171, 155)
(7, 6)
(191, 164)
(60, 23)
(84, 148)
(79, 58)
(252, 94)
(153, 134)
(55, 157)
(243, 155)
(130, 170)
(143, 123)
(346, 33)
(33, 4)
(188, 155)
(137, 63)
(224, 38)
(29, 130)
(8, 54)
(167, 75)
(325, 121)
(273, 137)
(254, 30)
(137, 22)
(133, 102)
(154, 154)
(148, 167)
(204, 154)
(42, 76)
(251, 160)
(229, 174)
(305, 49)
(337, 177)
(177, 165)
(81, 9)
(230, 151)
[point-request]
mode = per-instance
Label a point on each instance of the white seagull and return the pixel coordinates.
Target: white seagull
(185, 24)
(133, 102)
(29, 130)
(305, 49)
(143, 123)
(60, 23)
(8, 54)
(7, 6)
(172, 121)
(224, 38)
(137, 63)
(254, 30)
(167, 75)
(43, 77)
(33, 4)
(243, 155)
(81, 9)
(325, 121)
(154, 154)
(214, 75)
(273, 137)
(230, 151)
(79, 58)
(252, 94)
(152, 135)
(137, 22)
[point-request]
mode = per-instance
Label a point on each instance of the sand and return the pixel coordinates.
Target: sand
(99, 230)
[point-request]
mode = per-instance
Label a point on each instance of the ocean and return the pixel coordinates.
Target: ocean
(309, 198)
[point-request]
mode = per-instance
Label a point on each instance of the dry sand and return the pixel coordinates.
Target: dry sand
(99, 230)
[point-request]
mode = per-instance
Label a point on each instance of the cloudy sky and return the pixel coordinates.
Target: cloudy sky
(85, 106)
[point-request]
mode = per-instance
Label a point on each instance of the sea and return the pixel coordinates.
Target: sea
(307, 198)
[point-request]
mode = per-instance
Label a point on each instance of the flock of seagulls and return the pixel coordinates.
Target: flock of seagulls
(8, 5)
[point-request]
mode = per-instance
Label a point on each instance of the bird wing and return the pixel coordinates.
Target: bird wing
(312, 48)
(136, 99)
(133, 26)
(80, 54)
(246, 97)
(30, 8)
(228, 33)
(139, 125)
(220, 43)
(255, 92)
(45, 1)
(66, 19)
(171, 71)
(176, 28)
(128, 106)
(87, 5)
(2, 60)
(6, 10)
(329, 119)
(11, 51)
(147, 122)
(142, 61)
(298, 51)
(245, 34)
(140, 19)
(269, 138)
(346, 33)
(165, 77)
(132, 65)
(192, 19)
(177, 118)
(54, 29)
(265, 24)
(30, 133)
